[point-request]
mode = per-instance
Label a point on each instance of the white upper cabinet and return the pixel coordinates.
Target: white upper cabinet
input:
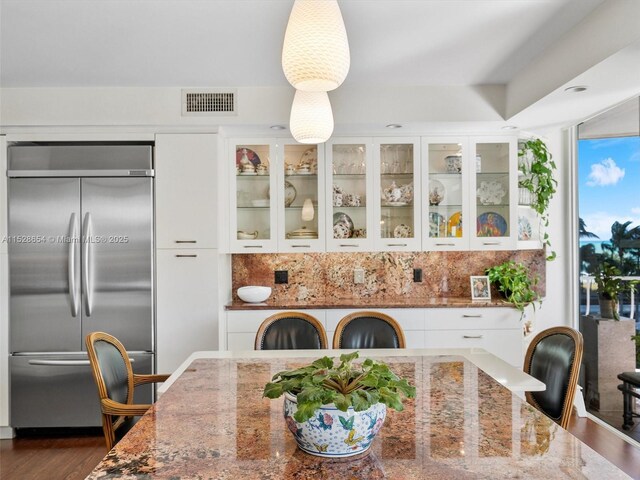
(301, 206)
(445, 199)
(529, 223)
(253, 171)
(494, 188)
(186, 169)
(396, 188)
(350, 170)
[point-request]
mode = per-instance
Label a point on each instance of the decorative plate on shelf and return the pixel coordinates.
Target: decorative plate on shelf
(342, 219)
(309, 159)
(490, 193)
(524, 229)
(402, 231)
(289, 194)
(454, 225)
(437, 225)
(341, 230)
(491, 224)
(244, 156)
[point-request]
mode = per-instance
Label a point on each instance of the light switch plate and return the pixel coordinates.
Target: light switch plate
(358, 275)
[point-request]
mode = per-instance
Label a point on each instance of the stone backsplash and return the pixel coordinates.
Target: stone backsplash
(320, 278)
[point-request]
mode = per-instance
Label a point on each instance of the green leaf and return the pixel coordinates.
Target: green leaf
(391, 399)
(306, 411)
(272, 390)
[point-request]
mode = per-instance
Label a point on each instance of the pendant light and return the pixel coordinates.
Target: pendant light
(311, 117)
(315, 55)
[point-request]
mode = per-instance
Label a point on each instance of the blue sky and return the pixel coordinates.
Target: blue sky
(609, 183)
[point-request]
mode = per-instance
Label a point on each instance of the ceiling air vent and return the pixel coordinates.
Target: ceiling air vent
(209, 102)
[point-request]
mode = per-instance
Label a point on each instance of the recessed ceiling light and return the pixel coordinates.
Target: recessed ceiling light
(576, 88)
(509, 127)
(277, 127)
(394, 125)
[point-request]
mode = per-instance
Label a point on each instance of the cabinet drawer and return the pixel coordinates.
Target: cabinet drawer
(472, 318)
(506, 344)
(248, 321)
(408, 318)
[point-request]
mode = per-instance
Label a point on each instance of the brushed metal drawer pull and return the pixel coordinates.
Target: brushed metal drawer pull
(396, 244)
(252, 246)
(186, 241)
(445, 244)
(468, 315)
(492, 243)
(472, 336)
(186, 256)
(348, 245)
(301, 246)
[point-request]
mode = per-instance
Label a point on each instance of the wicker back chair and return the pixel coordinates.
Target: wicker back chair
(115, 380)
(553, 357)
(368, 330)
(291, 331)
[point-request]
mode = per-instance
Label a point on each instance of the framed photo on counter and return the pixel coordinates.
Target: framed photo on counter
(480, 288)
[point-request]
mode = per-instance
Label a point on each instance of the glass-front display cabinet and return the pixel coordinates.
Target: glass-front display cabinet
(494, 183)
(529, 227)
(253, 209)
(397, 225)
(445, 204)
(301, 208)
(349, 170)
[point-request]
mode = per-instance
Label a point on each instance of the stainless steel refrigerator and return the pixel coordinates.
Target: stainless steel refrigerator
(80, 260)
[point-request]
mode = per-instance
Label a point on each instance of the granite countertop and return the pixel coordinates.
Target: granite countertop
(339, 303)
(213, 423)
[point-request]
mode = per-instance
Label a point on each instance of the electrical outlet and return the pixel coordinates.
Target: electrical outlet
(358, 275)
(417, 275)
(281, 276)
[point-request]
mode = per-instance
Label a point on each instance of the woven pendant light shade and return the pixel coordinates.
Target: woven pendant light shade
(311, 117)
(315, 55)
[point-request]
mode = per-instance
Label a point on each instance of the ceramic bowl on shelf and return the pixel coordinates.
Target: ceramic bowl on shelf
(254, 294)
(242, 235)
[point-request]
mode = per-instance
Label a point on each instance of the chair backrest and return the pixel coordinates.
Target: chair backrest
(368, 330)
(113, 375)
(554, 357)
(291, 331)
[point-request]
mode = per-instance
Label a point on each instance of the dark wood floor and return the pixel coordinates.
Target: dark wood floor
(51, 457)
(71, 458)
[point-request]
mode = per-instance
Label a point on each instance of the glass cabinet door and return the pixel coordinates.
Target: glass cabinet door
(494, 185)
(253, 214)
(446, 196)
(349, 187)
(302, 204)
(397, 189)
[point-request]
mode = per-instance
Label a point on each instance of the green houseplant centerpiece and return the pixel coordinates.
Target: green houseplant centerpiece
(610, 286)
(336, 411)
(515, 283)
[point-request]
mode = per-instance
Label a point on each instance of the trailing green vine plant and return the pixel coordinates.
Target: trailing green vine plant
(514, 281)
(536, 168)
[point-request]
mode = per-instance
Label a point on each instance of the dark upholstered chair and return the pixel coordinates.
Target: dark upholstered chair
(368, 330)
(554, 357)
(291, 331)
(115, 381)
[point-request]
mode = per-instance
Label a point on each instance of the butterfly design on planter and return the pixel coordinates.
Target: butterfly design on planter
(322, 448)
(350, 440)
(347, 424)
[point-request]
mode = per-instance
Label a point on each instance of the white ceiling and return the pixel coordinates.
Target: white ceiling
(237, 43)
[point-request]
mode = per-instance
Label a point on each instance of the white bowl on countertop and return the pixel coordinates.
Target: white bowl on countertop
(254, 294)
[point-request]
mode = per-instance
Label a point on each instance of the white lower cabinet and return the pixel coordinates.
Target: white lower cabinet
(187, 307)
(497, 330)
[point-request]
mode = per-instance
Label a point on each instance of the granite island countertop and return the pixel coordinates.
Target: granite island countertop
(365, 303)
(212, 423)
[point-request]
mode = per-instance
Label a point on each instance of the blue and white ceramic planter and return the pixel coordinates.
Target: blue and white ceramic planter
(333, 433)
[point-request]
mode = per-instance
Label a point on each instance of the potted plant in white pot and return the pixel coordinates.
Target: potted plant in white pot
(336, 411)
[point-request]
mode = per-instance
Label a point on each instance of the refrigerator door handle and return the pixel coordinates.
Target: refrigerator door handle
(86, 262)
(71, 265)
(65, 363)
